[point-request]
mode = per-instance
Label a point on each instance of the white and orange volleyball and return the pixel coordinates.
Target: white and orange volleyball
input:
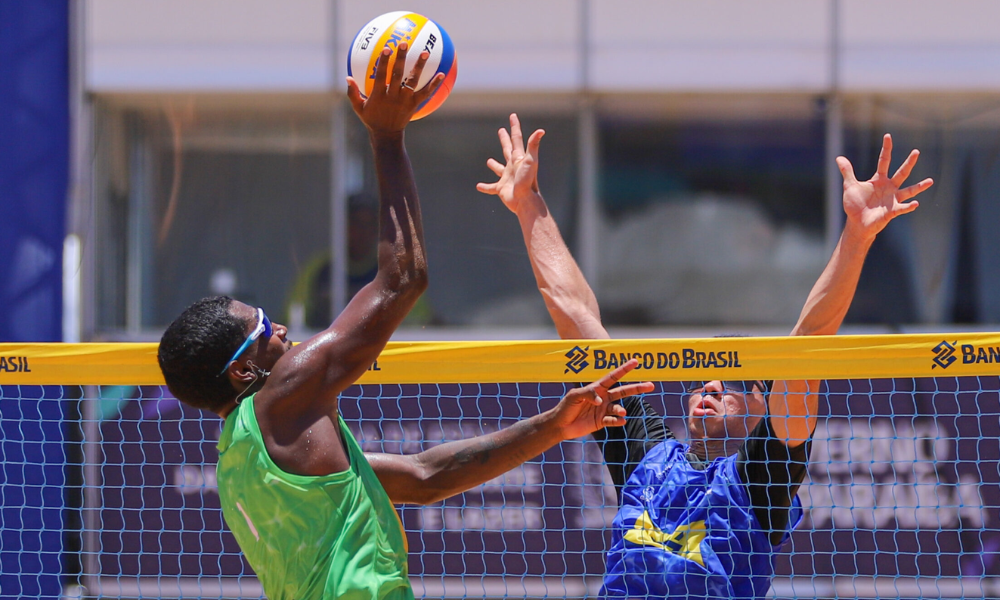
(421, 34)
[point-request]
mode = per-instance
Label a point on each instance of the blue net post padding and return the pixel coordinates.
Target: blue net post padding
(33, 465)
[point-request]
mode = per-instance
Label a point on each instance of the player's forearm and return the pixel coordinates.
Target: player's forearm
(401, 256)
(568, 297)
(455, 467)
(831, 296)
(794, 405)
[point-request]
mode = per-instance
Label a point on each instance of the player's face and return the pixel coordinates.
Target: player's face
(265, 351)
(718, 410)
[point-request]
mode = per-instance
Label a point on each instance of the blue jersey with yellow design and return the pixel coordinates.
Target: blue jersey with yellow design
(682, 532)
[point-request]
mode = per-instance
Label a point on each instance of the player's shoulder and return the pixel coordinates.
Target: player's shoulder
(661, 461)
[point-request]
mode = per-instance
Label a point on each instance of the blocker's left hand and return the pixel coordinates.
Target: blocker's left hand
(519, 173)
(585, 410)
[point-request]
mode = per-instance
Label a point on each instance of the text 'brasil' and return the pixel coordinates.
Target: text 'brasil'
(579, 359)
(14, 364)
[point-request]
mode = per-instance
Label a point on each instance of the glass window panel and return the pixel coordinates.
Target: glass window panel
(710, 219)
(202, 201)
(110, 216)
(479, 269)
(938, 264)
(711, 210)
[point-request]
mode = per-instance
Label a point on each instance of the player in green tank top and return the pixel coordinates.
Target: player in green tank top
(313, 515)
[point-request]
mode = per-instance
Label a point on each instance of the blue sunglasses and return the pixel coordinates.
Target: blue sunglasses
(743, 387)
(263, 327)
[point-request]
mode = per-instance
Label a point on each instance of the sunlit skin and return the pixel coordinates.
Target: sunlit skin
(715, 413)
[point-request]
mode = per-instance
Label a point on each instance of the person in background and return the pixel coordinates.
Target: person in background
(311, 295)
(310, 301)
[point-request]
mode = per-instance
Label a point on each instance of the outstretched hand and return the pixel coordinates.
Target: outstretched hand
(519, 176)
(390, 107)
(585, 410)
(871, 204)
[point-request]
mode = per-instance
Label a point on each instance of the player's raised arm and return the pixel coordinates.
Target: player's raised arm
(315, 372)
(455, 467)
(568, 297)
(869, 206)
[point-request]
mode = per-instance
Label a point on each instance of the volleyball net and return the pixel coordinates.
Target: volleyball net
(108, 475)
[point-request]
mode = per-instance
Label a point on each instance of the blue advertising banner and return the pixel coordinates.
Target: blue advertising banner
(901, 498)
(34, 163)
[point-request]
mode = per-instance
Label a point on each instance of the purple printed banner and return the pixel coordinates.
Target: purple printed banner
(904, 481)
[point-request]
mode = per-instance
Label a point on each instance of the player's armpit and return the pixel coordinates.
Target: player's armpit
(400, 475)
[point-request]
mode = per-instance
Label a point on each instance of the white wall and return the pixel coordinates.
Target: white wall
(923, 45)
(208, 45)
(710, 45)
(517, 45)
(509, 44)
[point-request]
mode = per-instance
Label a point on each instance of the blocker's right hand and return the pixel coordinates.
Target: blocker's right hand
(519, 177)
(389, 108)
(585, 410)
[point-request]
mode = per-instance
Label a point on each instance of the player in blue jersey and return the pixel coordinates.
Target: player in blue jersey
(703, 519)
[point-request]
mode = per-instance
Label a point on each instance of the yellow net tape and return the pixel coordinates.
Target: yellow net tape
(817, 357)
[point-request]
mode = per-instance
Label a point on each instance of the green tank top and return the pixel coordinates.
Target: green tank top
(333, 536)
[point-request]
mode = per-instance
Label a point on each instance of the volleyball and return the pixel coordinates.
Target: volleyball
(421, 34)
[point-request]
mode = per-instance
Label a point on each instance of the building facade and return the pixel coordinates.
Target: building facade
(688, 158)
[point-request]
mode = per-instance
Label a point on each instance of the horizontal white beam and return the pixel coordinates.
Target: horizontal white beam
(527, 45)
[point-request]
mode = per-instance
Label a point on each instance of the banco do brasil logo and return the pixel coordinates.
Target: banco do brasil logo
(577, 359)
(944, 355)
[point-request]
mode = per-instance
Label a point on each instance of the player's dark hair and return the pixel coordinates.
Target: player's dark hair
(196, 346)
